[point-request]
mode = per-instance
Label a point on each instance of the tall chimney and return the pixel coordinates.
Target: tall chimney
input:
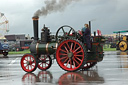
(35, 27)
(90, 27)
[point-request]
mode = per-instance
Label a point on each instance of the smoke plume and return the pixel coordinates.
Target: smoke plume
(53, 6)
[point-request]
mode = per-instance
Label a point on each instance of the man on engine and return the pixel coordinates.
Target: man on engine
(86, 36)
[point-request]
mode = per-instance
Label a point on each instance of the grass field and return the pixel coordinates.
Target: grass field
(28, 51)
(109, 49)
(19, 52)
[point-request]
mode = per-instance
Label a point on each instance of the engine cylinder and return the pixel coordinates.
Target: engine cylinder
(48, 48)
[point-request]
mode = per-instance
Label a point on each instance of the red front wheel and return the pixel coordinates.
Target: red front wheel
(29, 63)
(70, 55)
(45, 62)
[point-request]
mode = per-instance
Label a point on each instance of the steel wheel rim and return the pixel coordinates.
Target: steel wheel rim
(63, 58)
(44, 65)
(28, 63)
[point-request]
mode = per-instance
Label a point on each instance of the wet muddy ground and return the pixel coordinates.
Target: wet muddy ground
(113, 70)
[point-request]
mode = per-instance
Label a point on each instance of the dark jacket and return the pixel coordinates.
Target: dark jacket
(87, 32)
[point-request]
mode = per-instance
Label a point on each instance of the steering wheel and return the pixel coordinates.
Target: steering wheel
(64, 32)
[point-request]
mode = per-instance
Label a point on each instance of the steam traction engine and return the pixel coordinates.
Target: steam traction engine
(66, 46)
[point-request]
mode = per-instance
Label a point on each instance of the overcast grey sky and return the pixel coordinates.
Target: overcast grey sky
(106, 15)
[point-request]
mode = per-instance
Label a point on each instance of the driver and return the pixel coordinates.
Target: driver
(86, 36)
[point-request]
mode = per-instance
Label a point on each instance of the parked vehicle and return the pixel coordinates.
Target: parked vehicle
(4, 47)
(122, 44)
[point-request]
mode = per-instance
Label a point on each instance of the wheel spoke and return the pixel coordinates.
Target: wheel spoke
(63, 50)
(26, 59)
(63, 54)
(25, 66)
(66, 49)
(74, 64)
(66, 60)
(28, 67)
(67, 63)
(76, 49)
(31, 66)
(63, 30)
(79, 55)
(25, 62)
(40, 63)
(30, 59)
(71, 46)
(68, 46)
(47, 60)
(69, 31)
(41, 57)
(44, 57)
(78, 59)
(74, 46)
(63, 58)
(79, 52)
(47, 63)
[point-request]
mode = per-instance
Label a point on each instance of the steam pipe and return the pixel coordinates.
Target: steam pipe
(90, 27)
(35, 27)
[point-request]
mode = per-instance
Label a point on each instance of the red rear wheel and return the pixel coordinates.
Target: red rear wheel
(28, 63)
(70, 55)
(45, 62)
